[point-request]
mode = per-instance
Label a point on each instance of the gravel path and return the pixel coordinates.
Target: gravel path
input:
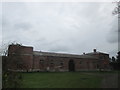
(110, 80)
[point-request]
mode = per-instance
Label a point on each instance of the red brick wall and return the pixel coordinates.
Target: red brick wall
(85, 64)
(20, 49)
(20, 57)
(104, 60)
(62, 63)
(42, 62)
(24, 56)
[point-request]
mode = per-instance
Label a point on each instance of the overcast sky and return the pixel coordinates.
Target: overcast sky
(62, 26)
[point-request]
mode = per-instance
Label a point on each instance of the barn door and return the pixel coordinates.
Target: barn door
(71, 65)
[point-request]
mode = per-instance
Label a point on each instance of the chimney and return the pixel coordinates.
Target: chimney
(84, 53)
(94, 50)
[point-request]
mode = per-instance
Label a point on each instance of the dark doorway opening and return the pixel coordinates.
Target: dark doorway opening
(71, 65)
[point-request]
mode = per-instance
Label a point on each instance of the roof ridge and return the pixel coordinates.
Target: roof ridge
(62, 55)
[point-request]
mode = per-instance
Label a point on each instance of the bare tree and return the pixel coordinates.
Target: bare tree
(4, 49)
(116, 10)
(10, 79)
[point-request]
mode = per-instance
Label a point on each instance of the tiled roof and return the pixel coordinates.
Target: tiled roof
(62, 55)
(92, 53)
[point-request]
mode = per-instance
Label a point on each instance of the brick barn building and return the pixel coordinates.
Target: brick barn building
(23, 58)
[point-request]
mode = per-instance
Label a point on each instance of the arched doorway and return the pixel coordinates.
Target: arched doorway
(71, 65)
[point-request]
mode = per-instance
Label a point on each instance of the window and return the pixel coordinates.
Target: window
(51, 63)
(51, 60)
(61, 63)
(93, 62)
(80, 62)
(19, 66)
(97, 66)
(105, 57)
(41, 61)
(101, 57)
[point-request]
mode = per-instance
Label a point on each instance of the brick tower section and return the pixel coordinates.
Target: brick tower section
(20, 57)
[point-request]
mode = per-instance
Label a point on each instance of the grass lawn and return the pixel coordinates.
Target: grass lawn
(61, 80)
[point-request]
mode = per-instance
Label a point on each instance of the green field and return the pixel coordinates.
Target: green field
(61, 80)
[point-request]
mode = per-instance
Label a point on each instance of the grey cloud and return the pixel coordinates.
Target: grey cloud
(59, 48)
(65, 27)
(113, 32)
(23, 26)
(113, 39)
(5, 22)
(113, 52)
